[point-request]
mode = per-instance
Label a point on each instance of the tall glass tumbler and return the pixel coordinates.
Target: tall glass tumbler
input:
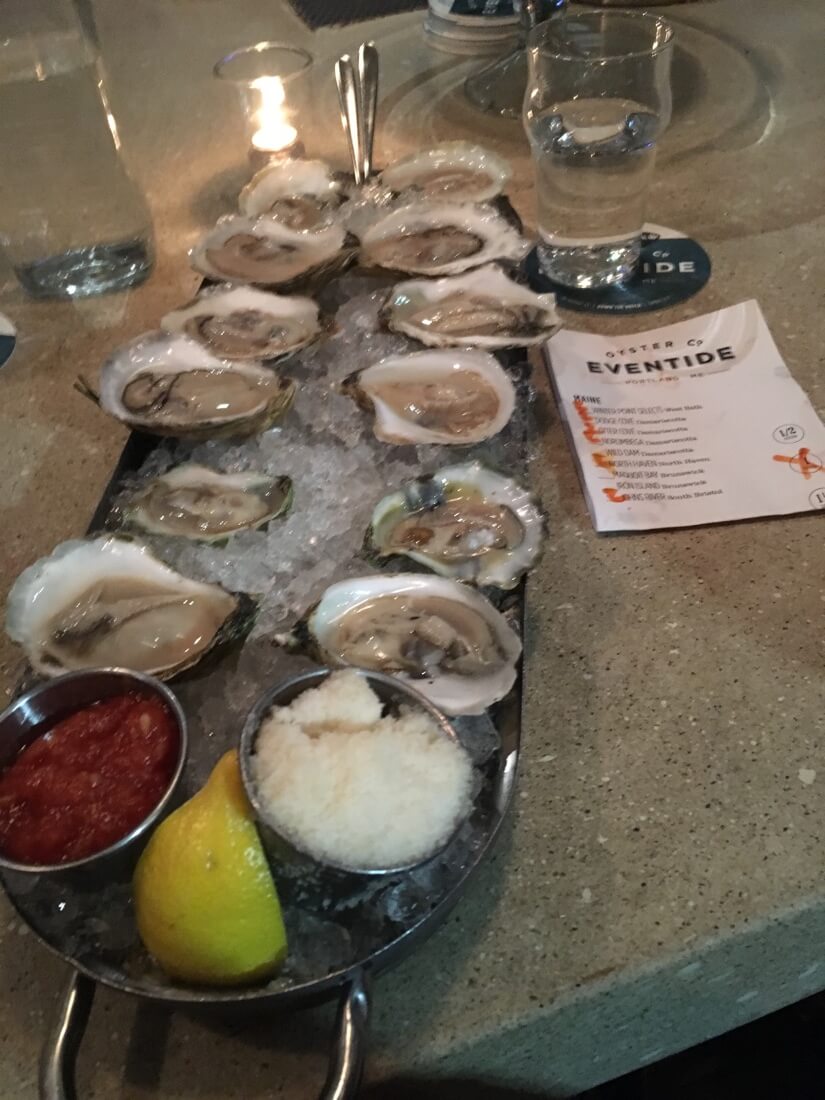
(72, 220)
(598, 99)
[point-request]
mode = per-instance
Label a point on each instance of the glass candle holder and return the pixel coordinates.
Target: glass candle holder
(271, 80)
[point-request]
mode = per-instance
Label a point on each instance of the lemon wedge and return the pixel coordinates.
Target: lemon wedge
(205, 901)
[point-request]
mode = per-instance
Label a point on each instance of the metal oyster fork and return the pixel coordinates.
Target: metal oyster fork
(358, 95)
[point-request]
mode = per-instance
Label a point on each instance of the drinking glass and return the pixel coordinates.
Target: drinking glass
(72, 220)
(598, 98)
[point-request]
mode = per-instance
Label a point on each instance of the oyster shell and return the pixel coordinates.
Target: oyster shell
(463, 521)
(266, 252)
(440, 239)
(194, 502)
(108, 602)
(242, 322)
(484, 308)
(171, 385)
(303, 194)
(443, 636)
(435, 396)
(455, 171)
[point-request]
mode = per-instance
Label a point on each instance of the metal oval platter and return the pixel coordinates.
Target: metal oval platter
(338, 468)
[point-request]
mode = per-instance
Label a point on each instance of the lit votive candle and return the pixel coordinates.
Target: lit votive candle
(270, 77)
(274, 133)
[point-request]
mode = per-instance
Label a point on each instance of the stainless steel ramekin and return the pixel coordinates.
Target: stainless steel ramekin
(45, 705)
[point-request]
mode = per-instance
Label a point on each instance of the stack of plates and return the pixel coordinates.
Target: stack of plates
(471, 27)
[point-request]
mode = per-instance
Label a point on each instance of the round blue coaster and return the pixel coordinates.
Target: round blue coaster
(672, 268)
(8, 338)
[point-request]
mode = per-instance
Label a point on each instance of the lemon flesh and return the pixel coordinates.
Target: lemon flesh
(205, 902)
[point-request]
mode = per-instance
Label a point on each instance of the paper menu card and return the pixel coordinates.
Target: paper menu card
(697, 422)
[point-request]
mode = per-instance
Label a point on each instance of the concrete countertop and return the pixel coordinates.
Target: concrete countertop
(661, 879)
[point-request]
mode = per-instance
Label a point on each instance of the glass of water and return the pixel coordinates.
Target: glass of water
(598, 98)
(72, 220)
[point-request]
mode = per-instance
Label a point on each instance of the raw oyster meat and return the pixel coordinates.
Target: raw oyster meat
(242, 322)
(266, 252)
(435, 396)
(303, 194)
(440, 239)
(484, 308)
(171, 385)
(195, 502)
(455, 171)
(463, 521)
(443, 636)
(109, 602)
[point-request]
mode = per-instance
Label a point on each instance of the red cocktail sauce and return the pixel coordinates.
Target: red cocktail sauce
(87, 781)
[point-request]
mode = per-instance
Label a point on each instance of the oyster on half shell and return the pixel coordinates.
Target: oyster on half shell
(440, 239)
(435, 396)
(303, 194)
(463, 521)
(197, 503)
(242, 322)
(454, 171)
(171, 385)
(109, 602)
(266, 252)
(444, 637)
(484, 308)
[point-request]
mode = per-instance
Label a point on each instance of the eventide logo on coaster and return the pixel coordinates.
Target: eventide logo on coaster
(672, 268)
(8, 338)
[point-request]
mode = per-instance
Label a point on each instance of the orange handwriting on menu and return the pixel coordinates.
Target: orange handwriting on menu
(591, 431)
(614, 496)
(604, 462)
(802, 463)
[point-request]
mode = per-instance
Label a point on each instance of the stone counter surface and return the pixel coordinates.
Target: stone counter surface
(661, 879)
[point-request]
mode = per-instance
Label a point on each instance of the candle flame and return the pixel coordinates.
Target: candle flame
(274, 132)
